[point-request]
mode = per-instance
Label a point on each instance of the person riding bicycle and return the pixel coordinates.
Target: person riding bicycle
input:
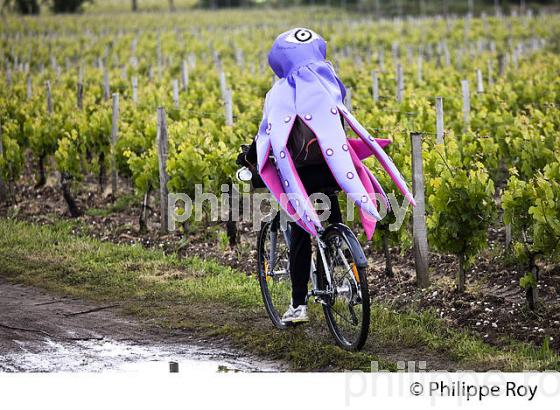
(316, 178)
(301, 148)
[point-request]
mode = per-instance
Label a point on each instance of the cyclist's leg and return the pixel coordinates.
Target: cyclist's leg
(313, 177)
(335, 216)
(300, 263)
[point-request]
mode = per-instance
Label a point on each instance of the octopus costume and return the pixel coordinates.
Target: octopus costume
(310, 89)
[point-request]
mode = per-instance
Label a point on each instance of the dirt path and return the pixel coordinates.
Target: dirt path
(41, 332)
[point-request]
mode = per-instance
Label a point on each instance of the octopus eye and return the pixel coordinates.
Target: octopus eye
(350, 175)
(301, 35)
(329, 152)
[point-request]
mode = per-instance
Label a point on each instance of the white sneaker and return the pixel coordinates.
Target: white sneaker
(296, 315)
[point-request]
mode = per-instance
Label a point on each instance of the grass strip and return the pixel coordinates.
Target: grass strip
(216, 301)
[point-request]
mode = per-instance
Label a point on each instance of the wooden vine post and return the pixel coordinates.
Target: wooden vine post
(375, 86)
(490, 73)
(348, 99)
(176, 93)
(135, 89)
(400, 83)
(231, 225)
(106, 86)
(143, 218)
(114, 134)
(508, 236)
(49, 97)
(501, 65)
(439, 120)
(228, 106)
(466, 102)
(446, 54)
(420, 64)
(479, 81)
(184, 76)
(223, 82)
(420, 234)
(80, 96)
(80, 93)
(162, 151)
(29, 93)
(381, 59)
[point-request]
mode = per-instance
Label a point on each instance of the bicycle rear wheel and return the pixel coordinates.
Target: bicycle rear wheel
(273, 270)
(347, 306)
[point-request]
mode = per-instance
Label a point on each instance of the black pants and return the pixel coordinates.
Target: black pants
(315, 178)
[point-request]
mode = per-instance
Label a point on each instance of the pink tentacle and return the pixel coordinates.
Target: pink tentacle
(363, 150)
(271, 179)
(381, 156)
(367, 222)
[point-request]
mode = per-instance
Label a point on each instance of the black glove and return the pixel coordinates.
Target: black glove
(242, 157)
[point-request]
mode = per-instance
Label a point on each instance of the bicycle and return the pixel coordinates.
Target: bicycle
(338, 277)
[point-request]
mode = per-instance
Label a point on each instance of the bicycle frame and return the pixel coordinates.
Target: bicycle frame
(321, 246)
(316, 292)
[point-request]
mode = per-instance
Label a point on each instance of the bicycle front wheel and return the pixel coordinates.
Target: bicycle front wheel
(347, 304)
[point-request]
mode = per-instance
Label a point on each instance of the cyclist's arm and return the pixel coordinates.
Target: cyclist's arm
(248, 156)
(251, 154)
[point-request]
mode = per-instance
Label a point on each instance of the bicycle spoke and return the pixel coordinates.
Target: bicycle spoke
(341, 316)
(353, 314)
(279, 259)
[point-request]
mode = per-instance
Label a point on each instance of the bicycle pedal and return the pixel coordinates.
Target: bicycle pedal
(320, 300)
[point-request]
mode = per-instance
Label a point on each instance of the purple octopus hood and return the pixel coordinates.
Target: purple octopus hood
(296, 48)
(310, 89)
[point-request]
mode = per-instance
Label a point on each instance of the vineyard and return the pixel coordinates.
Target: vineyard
(80, 96)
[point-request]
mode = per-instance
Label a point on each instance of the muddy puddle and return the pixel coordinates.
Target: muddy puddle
(41, 332)
(118, 356)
